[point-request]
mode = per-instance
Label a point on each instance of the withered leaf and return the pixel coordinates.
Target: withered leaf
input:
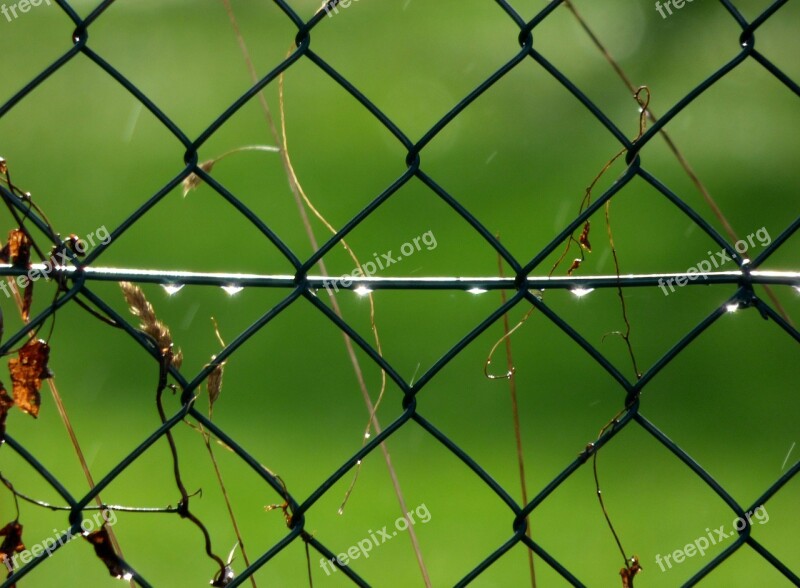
(583, 240)
(27, 373)
(193, 180)
(12, 543)
(27, 300)
(629, 572)
(575, 265)
(76, 245)
(19, 248)
(214, 383)
(6, 402)
(223, 577)
(105, 551)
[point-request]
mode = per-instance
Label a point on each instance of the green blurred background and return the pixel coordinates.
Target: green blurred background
(519, 159)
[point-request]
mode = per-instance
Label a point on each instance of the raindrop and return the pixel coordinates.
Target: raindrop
(732, 307)
(172, 289)
(797, 288)
(476, 291)
(581, 292)
(362, 290)
(538, 293)
(367, 435)
(232, 289)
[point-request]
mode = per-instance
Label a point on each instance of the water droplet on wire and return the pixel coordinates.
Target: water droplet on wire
(233, 289)
(172, 289)
(581, 292)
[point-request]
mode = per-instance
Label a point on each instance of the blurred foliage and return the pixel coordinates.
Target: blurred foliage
(519, 158)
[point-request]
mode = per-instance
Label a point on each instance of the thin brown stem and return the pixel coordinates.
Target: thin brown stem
(512, 387)
(608, 425)
(64, 507)
(682, 161)
(62, 411)
(228, 504)
(183, 507)
(300, 199)
(626, 336)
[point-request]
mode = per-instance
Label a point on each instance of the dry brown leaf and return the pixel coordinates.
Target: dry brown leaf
(27, 373)
(628, 573)
(583, 240)
(576, 263)
(224, 577)
(76, 245)
(6, 402)
(12, 543)
(19, 248)
(27, 301)
(215, 383)
(105, 551)
(193, 180)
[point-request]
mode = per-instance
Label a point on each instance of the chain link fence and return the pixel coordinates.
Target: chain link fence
(78, 276)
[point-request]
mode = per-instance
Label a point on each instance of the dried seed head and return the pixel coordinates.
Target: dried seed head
(177, 359)
(193, 180)
(141, 308)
